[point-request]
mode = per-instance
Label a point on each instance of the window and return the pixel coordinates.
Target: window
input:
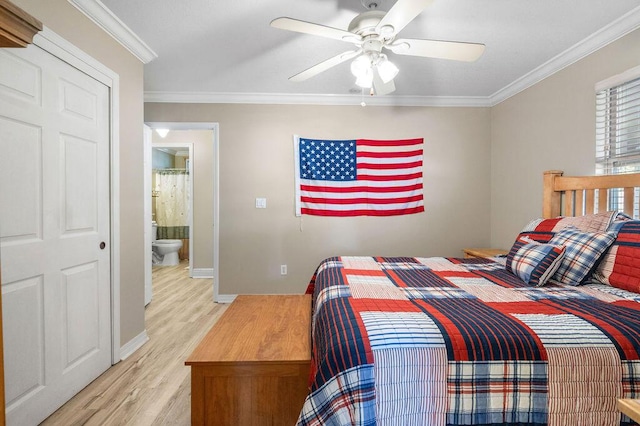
(618, 129)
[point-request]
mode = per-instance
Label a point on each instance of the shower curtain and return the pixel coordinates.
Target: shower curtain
(172, 203)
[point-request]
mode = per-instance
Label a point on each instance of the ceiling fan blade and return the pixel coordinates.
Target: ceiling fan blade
(304, 27)
(380, 87)
(403, 12)
(457, 51)
(325, 65)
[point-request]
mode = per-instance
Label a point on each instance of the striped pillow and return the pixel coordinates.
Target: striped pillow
(598, 222)
(620, 266)
(582, 252)
(535, 263)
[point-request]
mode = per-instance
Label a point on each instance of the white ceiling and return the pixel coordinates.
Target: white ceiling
(225, 49)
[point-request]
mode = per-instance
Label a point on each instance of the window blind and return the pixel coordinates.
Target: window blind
(618, 134)
(618, 129)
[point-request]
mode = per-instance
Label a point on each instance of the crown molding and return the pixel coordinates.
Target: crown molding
(612, 32)
(105, 19)
(314, 99)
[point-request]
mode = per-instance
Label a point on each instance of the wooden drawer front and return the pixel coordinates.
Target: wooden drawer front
(265, 395)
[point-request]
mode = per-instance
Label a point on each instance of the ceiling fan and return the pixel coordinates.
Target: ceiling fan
(371, 32)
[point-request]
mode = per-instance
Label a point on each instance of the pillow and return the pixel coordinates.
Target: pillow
(619, 217)
(582, 252)
(620, 266)
(598, 222)
(535, 263)
(521, 240)
(540, 230)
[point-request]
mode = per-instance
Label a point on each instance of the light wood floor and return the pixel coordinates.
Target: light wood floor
(152, 386)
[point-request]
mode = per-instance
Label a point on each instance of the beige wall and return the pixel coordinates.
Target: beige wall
(66, 21)
(202, 164)
(256, 160)
(548, 126)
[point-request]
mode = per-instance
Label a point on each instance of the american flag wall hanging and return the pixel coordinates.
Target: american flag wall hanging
(358, 177)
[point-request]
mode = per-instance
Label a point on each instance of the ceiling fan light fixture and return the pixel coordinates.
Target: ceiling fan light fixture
(387, 70)
(360, 66)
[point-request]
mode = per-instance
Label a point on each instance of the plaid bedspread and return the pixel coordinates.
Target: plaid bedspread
(435, 341)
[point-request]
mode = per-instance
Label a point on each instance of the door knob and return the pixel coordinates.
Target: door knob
(102, 245)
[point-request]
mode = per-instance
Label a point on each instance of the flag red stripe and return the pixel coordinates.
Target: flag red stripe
(361, 200)
(396, 212)
(385, 189)
(368, 154)
(391, 177)
(389, 142)
(389, 166)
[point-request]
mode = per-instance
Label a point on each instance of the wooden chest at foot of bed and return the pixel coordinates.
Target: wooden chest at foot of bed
(252, 368)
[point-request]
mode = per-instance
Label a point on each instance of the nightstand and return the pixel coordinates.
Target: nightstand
(483, 252)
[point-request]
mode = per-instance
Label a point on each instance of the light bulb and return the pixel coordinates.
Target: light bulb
(387, 70)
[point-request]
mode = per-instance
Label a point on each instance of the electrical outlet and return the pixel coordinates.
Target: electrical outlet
(283, 269)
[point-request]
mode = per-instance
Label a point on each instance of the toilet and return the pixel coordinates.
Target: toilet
(168, 249)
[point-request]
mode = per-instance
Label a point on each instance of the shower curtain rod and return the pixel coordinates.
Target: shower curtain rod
(170, 170)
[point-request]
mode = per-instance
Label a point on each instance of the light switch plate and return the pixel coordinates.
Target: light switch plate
(261, 203)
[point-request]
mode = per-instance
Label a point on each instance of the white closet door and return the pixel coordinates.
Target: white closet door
(54, 215)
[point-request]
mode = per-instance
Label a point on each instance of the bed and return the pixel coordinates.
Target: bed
(549, 334)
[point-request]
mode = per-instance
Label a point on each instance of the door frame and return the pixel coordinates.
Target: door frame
(148, 255)
(214, 127)
(147, 195)
(57, 46)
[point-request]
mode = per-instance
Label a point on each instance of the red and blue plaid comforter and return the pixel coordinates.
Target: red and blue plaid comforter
(435, 341)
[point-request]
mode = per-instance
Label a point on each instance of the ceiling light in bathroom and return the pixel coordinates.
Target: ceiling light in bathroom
(162, 132)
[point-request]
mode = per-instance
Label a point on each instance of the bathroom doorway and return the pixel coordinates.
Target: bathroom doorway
(172, 202)
(187, 152)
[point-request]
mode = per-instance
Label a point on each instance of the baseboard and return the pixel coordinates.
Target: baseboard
(226, 298)
(133, 345)
(202, 273)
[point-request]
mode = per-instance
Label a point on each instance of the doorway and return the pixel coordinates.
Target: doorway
(201, 139)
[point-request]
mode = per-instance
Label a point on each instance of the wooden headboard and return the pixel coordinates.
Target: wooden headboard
(579, 195)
